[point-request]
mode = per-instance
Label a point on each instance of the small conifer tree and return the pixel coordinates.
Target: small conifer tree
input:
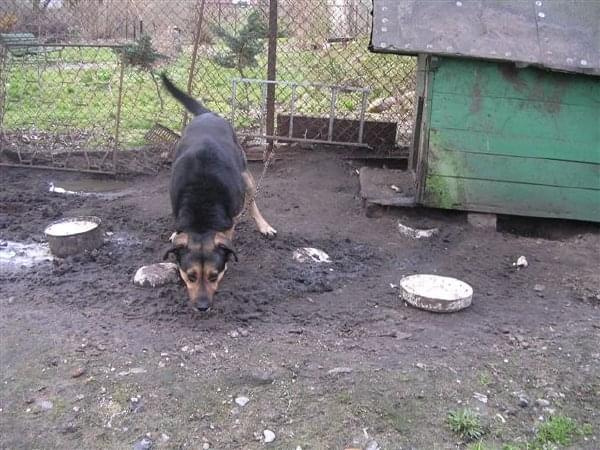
(243, 47)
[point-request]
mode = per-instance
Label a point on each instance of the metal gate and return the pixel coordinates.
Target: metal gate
(298, 122)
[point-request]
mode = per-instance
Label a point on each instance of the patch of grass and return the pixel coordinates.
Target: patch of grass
(395, 418)
(481, 445)
(484, 378)
(77, 88)
(466, 424)
(559, 430)
(345, 398)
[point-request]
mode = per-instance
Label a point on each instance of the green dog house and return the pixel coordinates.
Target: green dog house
(508, 103)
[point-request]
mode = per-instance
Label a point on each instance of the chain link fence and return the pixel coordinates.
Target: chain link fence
(79, 85)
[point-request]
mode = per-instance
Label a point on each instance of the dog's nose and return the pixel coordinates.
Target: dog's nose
(203, 304)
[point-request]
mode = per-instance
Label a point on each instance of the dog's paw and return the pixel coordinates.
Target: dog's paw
(268, 231)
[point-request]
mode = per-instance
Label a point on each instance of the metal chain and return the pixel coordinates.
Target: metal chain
(266, 164)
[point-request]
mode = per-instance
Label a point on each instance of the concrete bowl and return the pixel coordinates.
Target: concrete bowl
(436, 293)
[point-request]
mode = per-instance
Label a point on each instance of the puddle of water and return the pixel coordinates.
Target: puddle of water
(122, 238)
(91, 188)
(17, 255)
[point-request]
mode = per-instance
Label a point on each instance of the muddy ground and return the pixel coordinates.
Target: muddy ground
(91, 361)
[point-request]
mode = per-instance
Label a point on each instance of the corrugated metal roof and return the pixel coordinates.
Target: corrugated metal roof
(557, 34)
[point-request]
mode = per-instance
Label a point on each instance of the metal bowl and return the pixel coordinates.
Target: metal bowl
(74, 235)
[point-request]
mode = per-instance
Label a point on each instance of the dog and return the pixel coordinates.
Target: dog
(210, 186)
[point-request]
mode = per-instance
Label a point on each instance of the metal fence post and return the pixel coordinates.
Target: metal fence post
(271, 74)
(3, 79)
(118, 119)
(194, 56)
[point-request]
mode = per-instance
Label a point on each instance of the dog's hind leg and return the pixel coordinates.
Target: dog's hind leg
(262, 225)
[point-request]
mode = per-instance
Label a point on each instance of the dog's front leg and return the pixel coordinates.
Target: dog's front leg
(262, 225)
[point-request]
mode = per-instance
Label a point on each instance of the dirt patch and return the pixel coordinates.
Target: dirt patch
(327, 354)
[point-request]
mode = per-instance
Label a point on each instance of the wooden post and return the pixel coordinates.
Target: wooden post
(271, 74)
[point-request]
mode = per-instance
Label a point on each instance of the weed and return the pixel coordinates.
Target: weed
(557, 430)
(480, 445)
(484, 378)
(345, 398)
(466, 424)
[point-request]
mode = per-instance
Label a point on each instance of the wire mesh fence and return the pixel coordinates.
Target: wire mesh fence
(79, 79)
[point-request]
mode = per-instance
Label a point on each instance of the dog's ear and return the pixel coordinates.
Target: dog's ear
(230, 252)
(179, 241)
(172, 254)
(222, 241)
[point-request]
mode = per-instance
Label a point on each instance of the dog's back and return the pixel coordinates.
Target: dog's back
(207, 190)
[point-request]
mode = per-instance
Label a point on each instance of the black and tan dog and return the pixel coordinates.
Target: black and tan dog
(210, 185)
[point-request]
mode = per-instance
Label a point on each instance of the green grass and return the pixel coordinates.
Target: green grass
(560, 430)
(466, 424)
(557, 432)
(484, 378)
(480, 445)
(77, 88)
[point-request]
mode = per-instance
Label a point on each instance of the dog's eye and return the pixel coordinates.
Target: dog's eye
(191, 277)
(213, 277)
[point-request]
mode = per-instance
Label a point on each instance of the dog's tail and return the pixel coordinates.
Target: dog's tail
(191, 104)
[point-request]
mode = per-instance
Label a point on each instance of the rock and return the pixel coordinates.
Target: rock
(539, 287)
(339, 370)
(243, 332)
(268, 436)
(481, 397)
(44, 405)
(521, 262)
(156, 275)
(234, 334)
(76, 373)
(143, 444)
(134, 370)
(242, 400)
(372, 445)
(414, 233)
(523, 401)
(205, 446)
(310, 254)
(261, 377)
(69, 427)
(542, 402)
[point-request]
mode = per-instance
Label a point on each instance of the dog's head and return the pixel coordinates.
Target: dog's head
(202, 261)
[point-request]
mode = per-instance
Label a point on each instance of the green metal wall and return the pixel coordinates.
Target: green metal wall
(512, 141)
